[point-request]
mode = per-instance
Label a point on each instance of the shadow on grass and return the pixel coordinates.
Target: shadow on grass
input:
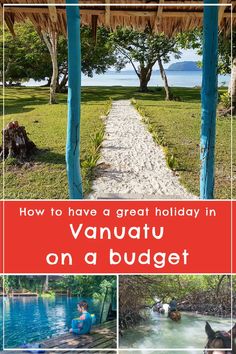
(123, 93)
(49, 157)
(40, 157)
(21, 100)
(17, 104)
(25, 100)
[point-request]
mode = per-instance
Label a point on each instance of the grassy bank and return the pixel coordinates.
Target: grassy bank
(45, 176)
(174, 125)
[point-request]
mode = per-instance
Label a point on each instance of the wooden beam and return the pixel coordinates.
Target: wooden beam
(221, 11)
(123, 12)
(159, 12)
(148, 13)
(107, 14)
(9, 19)
(52, 11)
(45, 10)
(160, 8)
(94, 26)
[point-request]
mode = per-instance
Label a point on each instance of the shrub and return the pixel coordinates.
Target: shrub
(225, 100)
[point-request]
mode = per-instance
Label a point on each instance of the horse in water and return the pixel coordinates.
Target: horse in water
(221, 340)
(158, 309)
(174, 315)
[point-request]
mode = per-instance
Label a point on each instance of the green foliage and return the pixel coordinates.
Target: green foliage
(136, 292)
(103, 287)
(90, 161)
(225, 100)
(143, 49)
(48, 295)
(76, 285)
(171, 161)
(45, 174)
(97, 53)
(176, 126)
(191, 39)
(194, 40)
(224, 64)
(6, 284)
(23, 283)
(11, 161)
(91, 158)
(167, 286)
(26, 56)
(97, 139)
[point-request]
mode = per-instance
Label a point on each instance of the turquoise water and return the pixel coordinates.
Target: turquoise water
(129, 78)
(33, 319)
(160, 332)
(175, 78)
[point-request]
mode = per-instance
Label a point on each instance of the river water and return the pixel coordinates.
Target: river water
(160, 332)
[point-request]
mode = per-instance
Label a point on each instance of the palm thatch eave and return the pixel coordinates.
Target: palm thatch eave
(166, 16)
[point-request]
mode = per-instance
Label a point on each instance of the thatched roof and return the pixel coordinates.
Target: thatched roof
(170, 17)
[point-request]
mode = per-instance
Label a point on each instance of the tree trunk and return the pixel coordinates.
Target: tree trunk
(219, 284)
(169, 95)
(16, 143)
(144, 78)
(8, 65)
(48, 83)
(232, 87)
(19, 283)
(45, 286)
(51, 41)
(61, 86)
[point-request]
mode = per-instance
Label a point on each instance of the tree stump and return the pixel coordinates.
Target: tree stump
(15, 142)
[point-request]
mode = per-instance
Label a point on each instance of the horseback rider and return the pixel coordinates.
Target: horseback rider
(172, 306)
(158, 305)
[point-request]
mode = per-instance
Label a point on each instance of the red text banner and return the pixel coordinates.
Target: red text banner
(117, 237)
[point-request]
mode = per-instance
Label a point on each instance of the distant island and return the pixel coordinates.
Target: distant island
(179, 66)
(184, 66)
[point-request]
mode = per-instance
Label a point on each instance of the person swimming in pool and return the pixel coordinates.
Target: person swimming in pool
(83, 324)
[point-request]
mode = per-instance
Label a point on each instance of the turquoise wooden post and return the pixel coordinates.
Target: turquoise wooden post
(209, 98)
(74, 96)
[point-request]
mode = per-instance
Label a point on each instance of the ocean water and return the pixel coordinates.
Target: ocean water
(129, 78)
(175, 78)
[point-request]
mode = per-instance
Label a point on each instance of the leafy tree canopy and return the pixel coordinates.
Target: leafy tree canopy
(143, 49)
(78, 285)
(27, 57)
(194, 40)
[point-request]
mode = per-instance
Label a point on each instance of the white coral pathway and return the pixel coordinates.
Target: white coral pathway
(132, 165)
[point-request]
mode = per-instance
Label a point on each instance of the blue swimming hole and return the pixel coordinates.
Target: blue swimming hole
(32, 319)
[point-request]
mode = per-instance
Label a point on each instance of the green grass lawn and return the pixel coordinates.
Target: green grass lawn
(45, 176)
(175, 125)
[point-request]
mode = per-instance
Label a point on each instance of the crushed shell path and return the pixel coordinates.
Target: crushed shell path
(132, 165)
